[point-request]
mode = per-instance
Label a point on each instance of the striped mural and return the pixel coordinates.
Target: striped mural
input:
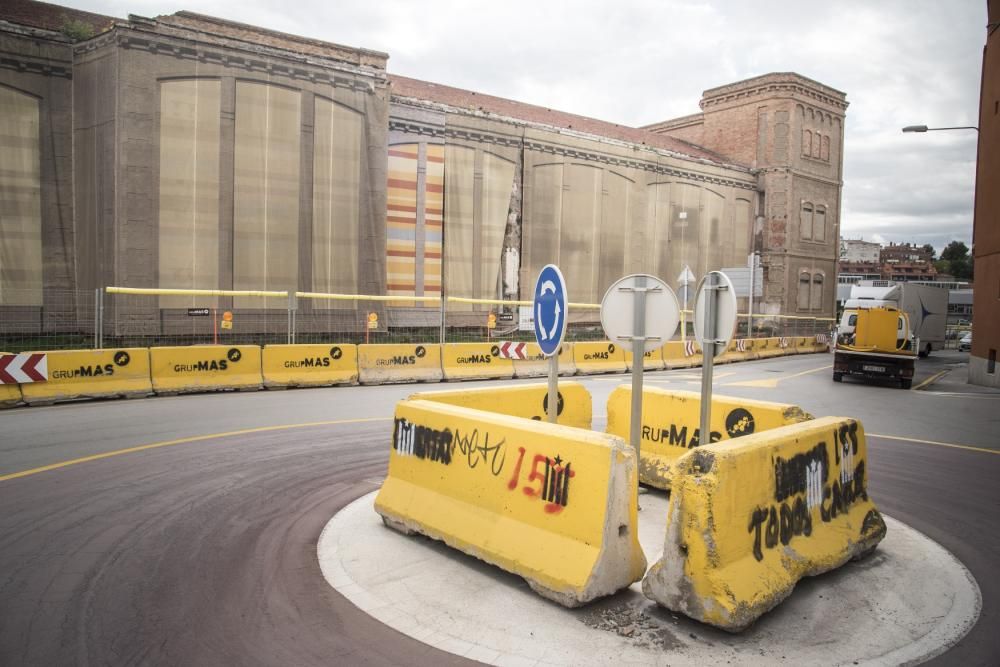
(414, 221)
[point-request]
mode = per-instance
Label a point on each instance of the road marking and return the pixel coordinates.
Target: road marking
(182, 441)
(930, 379)
(935, 443)
(773, 383)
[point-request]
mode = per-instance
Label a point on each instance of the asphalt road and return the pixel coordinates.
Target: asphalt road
(201, 550)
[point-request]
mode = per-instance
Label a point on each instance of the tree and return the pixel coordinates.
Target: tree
(956, 254)
(931, 252)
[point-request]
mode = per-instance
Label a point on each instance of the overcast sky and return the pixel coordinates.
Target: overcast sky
(901, 62)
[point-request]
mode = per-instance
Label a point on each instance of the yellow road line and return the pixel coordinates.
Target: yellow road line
(182, 441)
(930, 379)
(935, 443)
(771, 383)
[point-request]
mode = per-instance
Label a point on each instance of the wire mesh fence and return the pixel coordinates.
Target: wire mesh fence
(127, 317)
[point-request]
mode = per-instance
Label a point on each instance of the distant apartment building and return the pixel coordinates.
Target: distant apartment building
(859, 251)
(898, 262)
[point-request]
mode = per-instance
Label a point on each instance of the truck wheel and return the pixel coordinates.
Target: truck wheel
(926, 352)
(906, 384)
(838, 377)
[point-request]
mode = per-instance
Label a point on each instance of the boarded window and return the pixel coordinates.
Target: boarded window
(806, 142)
(339, 137)
(189, 189)
(819, 223)
(20, 200)
(825, 151)
(816, 292)
(806, 221)
(266, 187)
(805, 280)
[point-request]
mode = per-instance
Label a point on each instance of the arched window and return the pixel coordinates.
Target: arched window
(816, 291)
(819, 223)
(825, 151)
(806, 142)
(806, 221)
(805, 281)
(816, 146)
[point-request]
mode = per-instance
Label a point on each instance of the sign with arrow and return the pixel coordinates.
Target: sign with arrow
(549, 307)
(23, 368)
(510, 350)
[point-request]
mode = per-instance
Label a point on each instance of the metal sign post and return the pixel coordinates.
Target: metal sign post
(550, 308)
(641, 310)
(714, 325)
(684, 280)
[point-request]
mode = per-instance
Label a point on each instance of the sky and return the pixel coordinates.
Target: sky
(900, 62)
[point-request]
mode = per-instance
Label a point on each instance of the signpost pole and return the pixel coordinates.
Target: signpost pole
(708, 355)
(638, 359)
(554, 388)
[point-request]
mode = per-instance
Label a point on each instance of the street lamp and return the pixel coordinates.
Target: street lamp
(924, 128)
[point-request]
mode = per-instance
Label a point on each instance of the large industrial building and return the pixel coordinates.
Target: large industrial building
(189, 152)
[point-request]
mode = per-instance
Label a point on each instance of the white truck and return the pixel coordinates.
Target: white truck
(926, 306)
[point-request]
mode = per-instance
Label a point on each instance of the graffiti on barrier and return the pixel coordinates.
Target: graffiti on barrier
(474, 452)
(548, 480)
(803, 483)
(409, 439)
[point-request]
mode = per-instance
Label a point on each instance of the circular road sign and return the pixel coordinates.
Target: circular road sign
(549, 307)
(725, 312)
(662, 312)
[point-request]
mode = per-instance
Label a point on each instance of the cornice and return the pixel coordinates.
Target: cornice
(770, 90)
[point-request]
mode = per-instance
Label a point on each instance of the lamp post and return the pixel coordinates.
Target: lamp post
(924, 128)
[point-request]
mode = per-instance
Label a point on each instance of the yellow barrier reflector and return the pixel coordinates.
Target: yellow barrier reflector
(528, 401)
(205, 368)
(748, 519)
(652, 360)
(598, 357)
(671, 424)
(552, 504)
(309, 365)
(537, 365)
(390, 364)
(678, 354)
(77, 374)
(474, 361)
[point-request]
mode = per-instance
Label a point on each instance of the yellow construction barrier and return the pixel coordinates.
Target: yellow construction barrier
(598, 357)
(474, 361)
(739, 349)
(390, 364)
(552, 504)
(528, 401)
(77, 374)
(652, 360)
(537, 365)
(766, 348)
(309, 365)
(671, 422)
(677, 354)
(748, 519)
(205, 368)
(10, 394)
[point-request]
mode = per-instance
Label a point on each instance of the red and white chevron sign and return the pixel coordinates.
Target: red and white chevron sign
(23, 368)
(509, 350)
(689, 348)
(741, 345)
(783, 342)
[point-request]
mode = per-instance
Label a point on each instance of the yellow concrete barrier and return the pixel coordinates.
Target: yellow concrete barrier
(552, 504)
(528, 401)
(474, 361)
(77, 374)
(737, 350)
(10, 394)
(748, 519)
(537, 365)
(767, 348)
(678, 354)
(389, 364)
(651, 361)
(598, 357)
(671, 422)
(309, 365)
(204, 368)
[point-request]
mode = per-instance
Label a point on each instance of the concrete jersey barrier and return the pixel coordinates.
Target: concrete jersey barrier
(528, 401)
(537, 365)
(309, 365)
(748, 519)
(75, 374)
(205, 368)
(598, 357)
(671, 422)
(681, 354)
(651, 360)
(394, 364)
(474, 361)
(552, 504)
(10, 394)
